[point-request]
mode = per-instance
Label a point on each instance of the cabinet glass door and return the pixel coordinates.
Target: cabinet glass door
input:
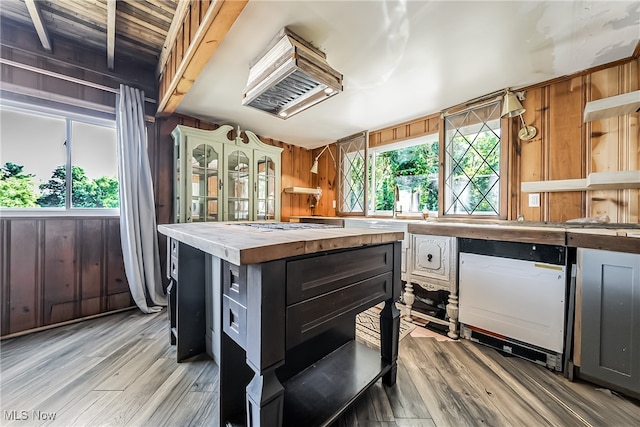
(238, 181)
(204, 183)
(266, 188)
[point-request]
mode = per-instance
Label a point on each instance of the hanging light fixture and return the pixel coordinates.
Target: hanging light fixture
(314, 168)
(512, 107)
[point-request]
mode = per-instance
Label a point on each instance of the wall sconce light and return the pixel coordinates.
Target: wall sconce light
(512, 107)
(314, 168)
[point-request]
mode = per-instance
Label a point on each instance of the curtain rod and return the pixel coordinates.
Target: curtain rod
(64, 77)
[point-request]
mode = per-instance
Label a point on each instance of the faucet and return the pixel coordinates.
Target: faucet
(396, 202)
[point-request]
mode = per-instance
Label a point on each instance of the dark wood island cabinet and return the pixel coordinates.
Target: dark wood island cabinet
(285, 297)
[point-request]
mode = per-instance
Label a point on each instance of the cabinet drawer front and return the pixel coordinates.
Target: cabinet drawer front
(173, 247)
(234, 321)
(314, 316)
(234, 282)
(308, 278)
(173, 268)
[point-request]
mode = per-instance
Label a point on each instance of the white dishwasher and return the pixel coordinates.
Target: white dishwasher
(512, 297)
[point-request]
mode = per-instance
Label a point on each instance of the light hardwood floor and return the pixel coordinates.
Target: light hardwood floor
(120, 370)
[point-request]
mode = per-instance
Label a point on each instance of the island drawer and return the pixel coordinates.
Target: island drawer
(318, 275)
(234, 282)
(316, 315)
(234, 321)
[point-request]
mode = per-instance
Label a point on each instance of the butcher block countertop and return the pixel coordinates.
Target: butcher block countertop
(256, 242)
(623, 237)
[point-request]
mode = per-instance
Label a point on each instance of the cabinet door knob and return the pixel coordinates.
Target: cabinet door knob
(429, 257)
(220, 184)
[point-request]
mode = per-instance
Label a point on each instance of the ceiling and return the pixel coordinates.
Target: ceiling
(400, 59)
(406, 59)
(141, 26)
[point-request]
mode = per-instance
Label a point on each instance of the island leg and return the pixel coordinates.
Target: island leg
(265, 347)
(265, 400)
(389, 337)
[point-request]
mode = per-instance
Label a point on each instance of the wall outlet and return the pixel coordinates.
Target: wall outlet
(534, 200)
(334, 204)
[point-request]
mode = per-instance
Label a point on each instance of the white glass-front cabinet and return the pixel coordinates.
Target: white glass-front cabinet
(222, 179)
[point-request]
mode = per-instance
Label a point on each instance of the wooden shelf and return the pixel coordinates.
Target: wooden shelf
(618, 180)
(318, 395)
(303, 190)
(612, 106)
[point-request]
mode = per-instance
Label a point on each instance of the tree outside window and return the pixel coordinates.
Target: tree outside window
(413, 169)
(38, 146)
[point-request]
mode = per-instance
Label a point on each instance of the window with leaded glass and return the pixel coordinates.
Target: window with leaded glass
(472, 157)
(352, 174)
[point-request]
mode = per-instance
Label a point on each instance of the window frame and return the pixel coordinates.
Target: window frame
(504, 178)
(341, 173)
(503, 168)
(69, 117)
(372, 152)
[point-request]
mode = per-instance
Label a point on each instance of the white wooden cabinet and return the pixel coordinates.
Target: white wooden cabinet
(221, 179)
(430, 262)
(432, 265)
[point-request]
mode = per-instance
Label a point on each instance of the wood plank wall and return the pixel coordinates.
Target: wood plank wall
(564, 148)
(55, 269)
(59, 269)
(22, 45)
(567, 148)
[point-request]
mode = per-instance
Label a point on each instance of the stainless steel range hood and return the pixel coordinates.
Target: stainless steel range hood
(291, 76)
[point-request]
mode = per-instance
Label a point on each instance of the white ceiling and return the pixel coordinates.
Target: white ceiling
(406, 59)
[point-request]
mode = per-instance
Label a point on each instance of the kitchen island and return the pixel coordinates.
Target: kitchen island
(285, 296)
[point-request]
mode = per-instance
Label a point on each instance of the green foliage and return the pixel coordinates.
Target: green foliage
(86, 193)
(419, 162)
(107, 189)
(17, 189)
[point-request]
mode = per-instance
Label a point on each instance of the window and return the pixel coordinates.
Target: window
(352, 189)
(39, 147)
(472, 162)
(411, 166)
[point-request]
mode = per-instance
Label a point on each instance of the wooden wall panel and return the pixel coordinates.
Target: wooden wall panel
(416, 128)
(565, 152)
(532, 154)
(116, 277)
(56, 269)
(23, 276)
(91, 266)
(326, 180)
(604, 143)
(22, 46)
(59, 270)
(566, 148)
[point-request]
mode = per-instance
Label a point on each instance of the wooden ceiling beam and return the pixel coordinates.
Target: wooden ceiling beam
(38, 23)
(217, 21)
(111, 33)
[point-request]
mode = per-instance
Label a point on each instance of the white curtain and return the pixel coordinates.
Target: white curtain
(137, 209)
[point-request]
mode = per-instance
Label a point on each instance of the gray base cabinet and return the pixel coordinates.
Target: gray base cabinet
(610, 318)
